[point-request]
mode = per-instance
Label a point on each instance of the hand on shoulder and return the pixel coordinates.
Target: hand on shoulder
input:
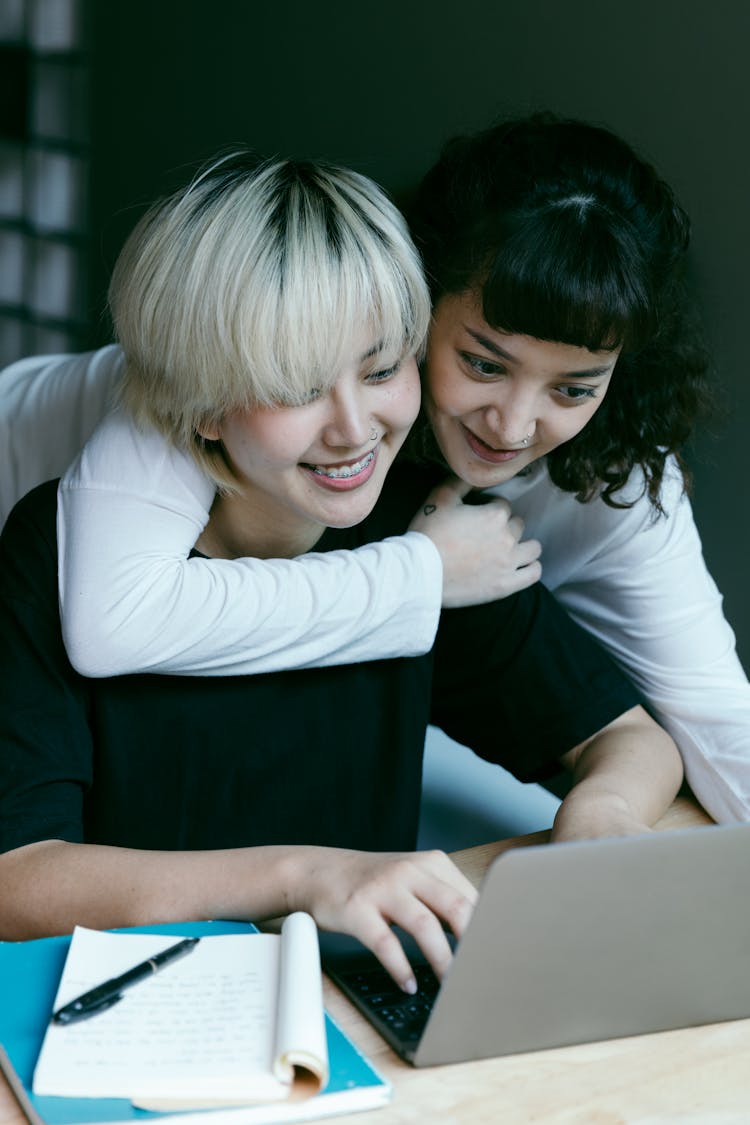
(484, 555)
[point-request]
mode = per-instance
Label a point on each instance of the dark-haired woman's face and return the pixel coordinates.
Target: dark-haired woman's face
(498, 401)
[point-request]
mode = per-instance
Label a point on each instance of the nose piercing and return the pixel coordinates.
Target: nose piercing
(373, 434)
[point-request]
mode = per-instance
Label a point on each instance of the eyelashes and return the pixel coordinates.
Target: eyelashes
(487, 370)
(385, 373)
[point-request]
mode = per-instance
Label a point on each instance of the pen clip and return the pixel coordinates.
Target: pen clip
(72, 1014)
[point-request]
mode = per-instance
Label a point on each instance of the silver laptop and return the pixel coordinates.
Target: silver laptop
(578, 942)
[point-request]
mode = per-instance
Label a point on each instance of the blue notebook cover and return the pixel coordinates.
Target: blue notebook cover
(29, 975)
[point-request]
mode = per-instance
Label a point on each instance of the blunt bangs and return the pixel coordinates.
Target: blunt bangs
(571, 273)
(254, 285)
(346, 268)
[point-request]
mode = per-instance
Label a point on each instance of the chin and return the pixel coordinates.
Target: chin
(479, 475)
(350, 519)
(352, 513)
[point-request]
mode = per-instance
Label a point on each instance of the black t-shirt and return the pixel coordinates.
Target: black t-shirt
(327, 756)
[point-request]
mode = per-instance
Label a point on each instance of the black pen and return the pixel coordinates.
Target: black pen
(102, 997)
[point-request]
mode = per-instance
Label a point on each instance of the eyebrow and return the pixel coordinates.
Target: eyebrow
(491, 346)
(374, 350)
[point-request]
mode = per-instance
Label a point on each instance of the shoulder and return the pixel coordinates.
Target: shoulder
(28, 543)
(34, 513)
(575, 535)
(123, 457)
(50, 405)
(63, 395)
(76, 374)
(117, 439)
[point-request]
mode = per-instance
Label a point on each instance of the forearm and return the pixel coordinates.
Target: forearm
(133, 603)
(624, 779)
(130, 511)
(51, 886)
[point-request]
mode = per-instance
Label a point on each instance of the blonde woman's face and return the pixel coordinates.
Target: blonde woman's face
(324, 463)
(498, 401)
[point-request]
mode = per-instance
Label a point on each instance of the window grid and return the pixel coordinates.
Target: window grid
(44, 164)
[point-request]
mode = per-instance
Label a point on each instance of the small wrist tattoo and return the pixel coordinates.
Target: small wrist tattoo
(429, 509)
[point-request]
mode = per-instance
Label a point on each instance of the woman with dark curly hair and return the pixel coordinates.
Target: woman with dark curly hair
(556, 231)
(564, 372)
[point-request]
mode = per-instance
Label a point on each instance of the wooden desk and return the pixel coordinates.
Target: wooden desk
(697, 1075)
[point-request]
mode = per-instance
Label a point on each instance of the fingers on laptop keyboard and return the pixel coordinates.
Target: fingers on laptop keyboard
(428, 893)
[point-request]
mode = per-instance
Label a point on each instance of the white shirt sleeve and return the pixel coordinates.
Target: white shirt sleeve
(131, 508)
(49, 406)
(640, 585)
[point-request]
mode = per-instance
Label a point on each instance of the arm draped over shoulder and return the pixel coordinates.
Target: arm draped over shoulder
(130, 510)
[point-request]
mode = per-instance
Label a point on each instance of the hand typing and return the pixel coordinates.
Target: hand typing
(363, 893)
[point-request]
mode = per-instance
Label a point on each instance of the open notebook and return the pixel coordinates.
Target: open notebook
(578, 942)
(30, 973)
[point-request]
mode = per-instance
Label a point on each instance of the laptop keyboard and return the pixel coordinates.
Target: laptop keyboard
(386, 1006)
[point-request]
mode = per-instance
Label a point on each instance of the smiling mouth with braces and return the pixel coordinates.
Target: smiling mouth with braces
(346, 470)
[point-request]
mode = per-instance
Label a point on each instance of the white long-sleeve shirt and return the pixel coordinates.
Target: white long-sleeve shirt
(131, 508)
(639, 584)
(49, 406)
(129, 511)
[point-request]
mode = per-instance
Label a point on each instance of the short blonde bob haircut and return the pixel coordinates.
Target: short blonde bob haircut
(252, 286)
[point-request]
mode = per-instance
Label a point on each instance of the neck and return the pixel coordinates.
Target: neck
(241, 525)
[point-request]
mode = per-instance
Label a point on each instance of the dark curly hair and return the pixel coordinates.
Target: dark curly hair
(571, 237)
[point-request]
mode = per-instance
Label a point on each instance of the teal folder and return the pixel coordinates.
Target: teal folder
(29, 975)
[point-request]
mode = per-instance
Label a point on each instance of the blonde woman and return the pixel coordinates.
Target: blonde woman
(270, 316)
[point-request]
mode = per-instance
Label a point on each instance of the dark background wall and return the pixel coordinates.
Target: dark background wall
(381, 86)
